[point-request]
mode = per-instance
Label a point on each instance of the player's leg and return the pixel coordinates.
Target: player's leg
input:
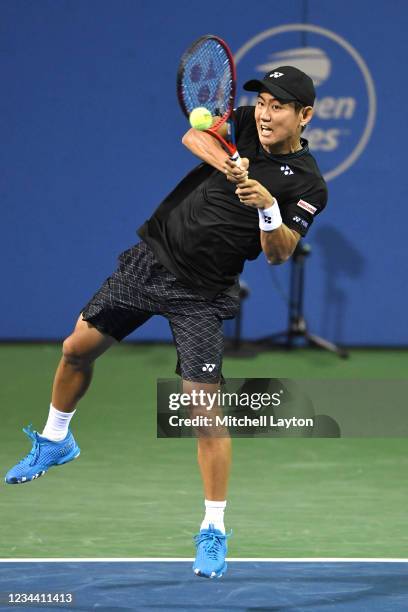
(199, 342)
(113, 312)
(56, 445)
(213, 453)
(74, 372)
(214, 460)
(73, 376)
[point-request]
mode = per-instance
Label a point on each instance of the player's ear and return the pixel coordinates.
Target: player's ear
(306, 115)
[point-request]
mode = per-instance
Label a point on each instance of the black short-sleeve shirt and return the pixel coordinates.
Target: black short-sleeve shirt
(202, 232)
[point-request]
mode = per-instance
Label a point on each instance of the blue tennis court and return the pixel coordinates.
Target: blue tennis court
(248, 585)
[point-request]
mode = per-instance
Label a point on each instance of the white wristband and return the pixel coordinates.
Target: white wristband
(270, 218)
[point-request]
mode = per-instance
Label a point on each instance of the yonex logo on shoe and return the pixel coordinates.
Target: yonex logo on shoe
(286, 170)
(208, 367)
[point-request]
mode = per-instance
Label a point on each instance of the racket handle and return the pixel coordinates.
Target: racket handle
(236, 158)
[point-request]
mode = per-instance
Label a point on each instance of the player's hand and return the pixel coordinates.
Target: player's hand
(236, 174)
(254, 194)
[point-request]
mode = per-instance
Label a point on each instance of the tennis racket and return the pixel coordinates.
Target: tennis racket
(206, 77)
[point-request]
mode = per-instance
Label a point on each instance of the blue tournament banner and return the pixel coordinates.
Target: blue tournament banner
(91, 143)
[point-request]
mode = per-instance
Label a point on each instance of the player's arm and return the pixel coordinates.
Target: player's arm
(278, 244)
(209, 150)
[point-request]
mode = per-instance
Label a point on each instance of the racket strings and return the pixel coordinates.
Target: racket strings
(207, 79)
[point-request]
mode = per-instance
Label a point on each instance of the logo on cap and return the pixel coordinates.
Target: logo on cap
(276, 75)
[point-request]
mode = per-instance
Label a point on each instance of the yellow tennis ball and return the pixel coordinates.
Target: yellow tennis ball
(200, 118)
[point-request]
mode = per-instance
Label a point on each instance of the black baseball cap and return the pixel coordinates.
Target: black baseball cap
(286, 84)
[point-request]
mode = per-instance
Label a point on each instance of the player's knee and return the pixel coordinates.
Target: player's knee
(73, 352)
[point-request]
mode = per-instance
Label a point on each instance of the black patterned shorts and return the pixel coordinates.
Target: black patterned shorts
(140, 288)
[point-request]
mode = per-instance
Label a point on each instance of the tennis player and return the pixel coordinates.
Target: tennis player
(186, 269)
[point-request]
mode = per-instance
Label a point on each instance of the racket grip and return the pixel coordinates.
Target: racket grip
(236, 158)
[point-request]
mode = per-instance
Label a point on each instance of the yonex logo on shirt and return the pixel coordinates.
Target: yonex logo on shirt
(300, 221)
(208, 367)
(286, 170)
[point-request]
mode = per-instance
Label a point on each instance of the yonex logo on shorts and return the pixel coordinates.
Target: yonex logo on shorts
(307, 206)
(208, 367)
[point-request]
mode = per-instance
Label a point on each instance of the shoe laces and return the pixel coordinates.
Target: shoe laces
(35, 450)
(212, 542)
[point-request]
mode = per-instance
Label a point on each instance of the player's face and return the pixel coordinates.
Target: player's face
(278, 124)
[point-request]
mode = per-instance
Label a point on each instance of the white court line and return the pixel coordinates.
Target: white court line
(189, 559)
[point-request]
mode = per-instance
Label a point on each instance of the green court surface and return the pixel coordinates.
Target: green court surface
(132, 495)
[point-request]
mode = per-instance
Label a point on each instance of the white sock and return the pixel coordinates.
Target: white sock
(56, 427)
(214, 513)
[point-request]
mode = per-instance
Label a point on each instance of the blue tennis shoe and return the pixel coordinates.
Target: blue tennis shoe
(43, 455)
(211, 550)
